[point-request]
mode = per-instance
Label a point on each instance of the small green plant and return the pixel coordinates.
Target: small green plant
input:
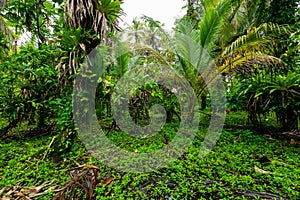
(264, 93)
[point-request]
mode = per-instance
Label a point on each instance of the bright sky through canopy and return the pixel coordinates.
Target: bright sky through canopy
(165, 11)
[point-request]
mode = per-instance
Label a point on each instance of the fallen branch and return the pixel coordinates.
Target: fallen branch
(262, 195)
(46, 152)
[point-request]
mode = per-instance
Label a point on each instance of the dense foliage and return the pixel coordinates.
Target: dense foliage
(253, 45)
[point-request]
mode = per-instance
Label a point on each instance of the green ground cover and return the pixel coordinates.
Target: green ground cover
(243, 165)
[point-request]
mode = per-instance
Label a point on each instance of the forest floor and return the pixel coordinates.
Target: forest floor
(245, 164)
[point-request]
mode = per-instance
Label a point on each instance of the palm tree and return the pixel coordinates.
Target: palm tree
(195, 46)
(100, 16)
(251, 40)
(87, 19)
(232, 33)
(154, 33)
(91, 23)
(7, 33)
(136, 31)
(148, 32)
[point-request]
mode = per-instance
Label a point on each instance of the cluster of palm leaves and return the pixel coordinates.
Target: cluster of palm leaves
(5, 33)
(232, 34)
(236, 37)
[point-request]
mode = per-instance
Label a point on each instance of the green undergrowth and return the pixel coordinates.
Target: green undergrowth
(241, 161)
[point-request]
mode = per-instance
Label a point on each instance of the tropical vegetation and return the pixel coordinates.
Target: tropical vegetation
(228, 75)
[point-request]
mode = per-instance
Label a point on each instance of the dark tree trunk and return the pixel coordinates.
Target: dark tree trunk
(291, 119)
(203, 102)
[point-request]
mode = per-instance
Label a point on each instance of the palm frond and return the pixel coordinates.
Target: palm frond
(211, 23)
(246, 62)
(186, 43)
(150, 52)
(256, 43)
(7, 33)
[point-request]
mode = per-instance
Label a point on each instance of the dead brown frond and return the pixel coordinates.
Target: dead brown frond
(21, 193)
(81, 186)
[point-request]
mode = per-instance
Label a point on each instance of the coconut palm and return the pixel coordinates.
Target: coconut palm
(146, 31)
(136, 31)
(154, 33)
(92, 22)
